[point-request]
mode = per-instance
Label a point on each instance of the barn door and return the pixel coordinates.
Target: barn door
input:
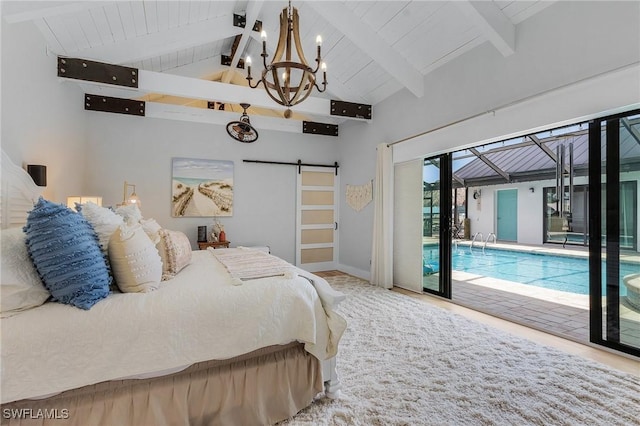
(316, 219)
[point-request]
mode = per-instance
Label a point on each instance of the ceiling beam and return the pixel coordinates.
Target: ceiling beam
(493, 23)
(546, 149)
(160, 43)
(370, 42)
(253, 10)
(491, 164)
(635, 134)
(194, 88)
(212, 116)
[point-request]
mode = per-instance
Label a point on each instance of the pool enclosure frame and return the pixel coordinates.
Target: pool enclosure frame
(604, 321)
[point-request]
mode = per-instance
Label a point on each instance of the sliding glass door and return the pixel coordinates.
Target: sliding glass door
(614, 258)
(437, 226)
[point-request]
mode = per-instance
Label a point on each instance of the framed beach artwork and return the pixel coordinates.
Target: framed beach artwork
(201, 187)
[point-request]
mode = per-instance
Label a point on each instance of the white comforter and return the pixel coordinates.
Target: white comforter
(199, 315)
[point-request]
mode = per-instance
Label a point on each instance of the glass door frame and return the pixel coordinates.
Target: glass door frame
(612, 249)
(445, 229)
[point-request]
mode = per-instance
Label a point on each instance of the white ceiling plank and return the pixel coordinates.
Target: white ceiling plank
(22, 11)
(139, 19)
(493, 23)
(151, 16)
(183, 12)
(174, 13)
(126, 17)
(102, 25)
(58, 26)
(372, 44)
(152, 45)
(49, 36)
(253, 10)
(89, 28)
(115, 23)
(162, 15)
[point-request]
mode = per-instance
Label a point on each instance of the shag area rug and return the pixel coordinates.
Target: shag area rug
(404, 362)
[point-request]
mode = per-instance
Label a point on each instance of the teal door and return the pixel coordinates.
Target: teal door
(508, 215)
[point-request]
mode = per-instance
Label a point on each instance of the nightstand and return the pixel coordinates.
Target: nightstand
(220, 244)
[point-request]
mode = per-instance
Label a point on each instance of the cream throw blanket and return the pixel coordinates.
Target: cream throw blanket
(245, 264)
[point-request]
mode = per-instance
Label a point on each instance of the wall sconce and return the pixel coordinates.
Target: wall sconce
(82, 199)
(38, 173)
(476, 194)
(131, 199)
(532, 189)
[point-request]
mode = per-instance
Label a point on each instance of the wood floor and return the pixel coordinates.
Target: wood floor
(614, 359)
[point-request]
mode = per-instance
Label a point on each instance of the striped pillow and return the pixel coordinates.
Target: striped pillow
(65, 251)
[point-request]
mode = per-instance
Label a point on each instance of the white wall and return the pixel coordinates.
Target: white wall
(565, 43)
(139, 150)
(42, 119)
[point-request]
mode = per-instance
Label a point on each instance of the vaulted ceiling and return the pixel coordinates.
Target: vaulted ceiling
(373, 49)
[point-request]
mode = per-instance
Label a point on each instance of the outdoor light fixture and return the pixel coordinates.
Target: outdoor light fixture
(286, 81)
(131, 199)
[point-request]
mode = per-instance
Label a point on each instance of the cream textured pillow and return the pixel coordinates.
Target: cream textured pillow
(175, 249)
(135, 262)
(20, 287)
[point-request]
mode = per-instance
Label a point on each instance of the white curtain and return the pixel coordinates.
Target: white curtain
(382, 247)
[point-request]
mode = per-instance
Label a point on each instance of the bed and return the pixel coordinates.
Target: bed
(204, 348)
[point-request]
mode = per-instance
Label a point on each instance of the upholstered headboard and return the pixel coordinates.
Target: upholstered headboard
(18, 194)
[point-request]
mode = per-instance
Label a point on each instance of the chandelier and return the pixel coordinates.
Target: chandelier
(286, 81)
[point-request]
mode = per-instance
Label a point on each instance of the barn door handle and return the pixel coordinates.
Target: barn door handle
(336, 226)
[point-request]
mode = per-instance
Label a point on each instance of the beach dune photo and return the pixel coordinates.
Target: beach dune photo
(201, 188)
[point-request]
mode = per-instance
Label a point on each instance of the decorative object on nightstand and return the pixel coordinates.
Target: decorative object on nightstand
(215, 245)
(222, 236)
(202, 234)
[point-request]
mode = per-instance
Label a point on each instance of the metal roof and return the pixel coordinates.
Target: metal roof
(522, 160)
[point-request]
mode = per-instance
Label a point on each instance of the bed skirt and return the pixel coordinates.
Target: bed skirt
(262, 387)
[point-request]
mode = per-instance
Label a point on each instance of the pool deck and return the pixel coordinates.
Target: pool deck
(560, 313)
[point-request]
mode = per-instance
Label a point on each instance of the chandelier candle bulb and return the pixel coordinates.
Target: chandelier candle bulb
(319, 40)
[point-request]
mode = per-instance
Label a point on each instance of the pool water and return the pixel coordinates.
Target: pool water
(569, 274)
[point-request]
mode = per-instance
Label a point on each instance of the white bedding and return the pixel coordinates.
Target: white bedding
(196, 316)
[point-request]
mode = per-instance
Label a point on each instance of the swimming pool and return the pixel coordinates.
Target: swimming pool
(569, 274)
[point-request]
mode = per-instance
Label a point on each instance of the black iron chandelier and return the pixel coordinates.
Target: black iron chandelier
(286, 81)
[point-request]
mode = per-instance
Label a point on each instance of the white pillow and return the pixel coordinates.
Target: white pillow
(103, 220)
(175, 250)
(130, 213)
(135, 262)
(20, 285)
(152, 229)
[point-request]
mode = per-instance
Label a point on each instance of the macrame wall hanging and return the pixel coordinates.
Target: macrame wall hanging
(358, 196)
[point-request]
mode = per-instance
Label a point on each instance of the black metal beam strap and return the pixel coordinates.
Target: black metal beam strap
(226, 60)
(319, 128)
(350, 109)
(81, 69)
(241, 21)
(115, 105)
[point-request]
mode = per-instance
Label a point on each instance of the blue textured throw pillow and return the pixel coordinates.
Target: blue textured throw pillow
(65, 251)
